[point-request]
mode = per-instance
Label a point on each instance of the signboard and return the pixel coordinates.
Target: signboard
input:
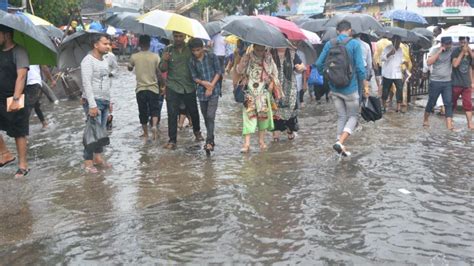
(301, 7)
(446, 3)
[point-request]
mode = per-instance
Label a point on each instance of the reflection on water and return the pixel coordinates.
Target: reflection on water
(295, 203)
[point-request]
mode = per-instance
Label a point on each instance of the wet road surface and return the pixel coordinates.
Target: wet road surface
(294, 203)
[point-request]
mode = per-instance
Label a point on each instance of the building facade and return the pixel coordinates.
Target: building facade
(450, 11)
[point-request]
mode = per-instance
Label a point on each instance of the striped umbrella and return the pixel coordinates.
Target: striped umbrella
(174, 22)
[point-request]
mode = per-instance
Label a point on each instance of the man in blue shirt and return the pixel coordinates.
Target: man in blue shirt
(346, 99)
(206, 72)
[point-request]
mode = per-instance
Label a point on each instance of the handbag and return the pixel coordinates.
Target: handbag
(95, 136)
(314, 77)
(239, 93)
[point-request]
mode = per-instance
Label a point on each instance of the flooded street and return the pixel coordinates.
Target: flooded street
(294, 203)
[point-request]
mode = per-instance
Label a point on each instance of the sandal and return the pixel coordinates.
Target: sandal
(7, 162)
(291, 135)
(21, 172)
(208, 148)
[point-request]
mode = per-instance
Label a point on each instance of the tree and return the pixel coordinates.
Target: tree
(56, 12)
(233, 6)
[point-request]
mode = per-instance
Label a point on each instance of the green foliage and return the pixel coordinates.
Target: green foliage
(233, 6)
(54, 11)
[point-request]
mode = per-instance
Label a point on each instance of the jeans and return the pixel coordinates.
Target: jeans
(387, 85)
(444, 89)
(347, 108)
(103, 106)
(208, 111)
(173, 99)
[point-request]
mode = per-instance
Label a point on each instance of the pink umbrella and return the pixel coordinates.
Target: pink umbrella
(289, 28)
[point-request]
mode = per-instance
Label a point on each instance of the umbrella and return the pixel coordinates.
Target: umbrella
(330, 33)
(406, 16)
(213, 27)
(360, 23)
(74, 48)
(128, 21)
(309, 52)
(41, 50)
(174, 22)
(255, 30)
(312, 37)
(371, 109)
(315, 25)
(231, 39)
(424, 32)
(457, 31)
(42, 24)
(406, 36)
(301, 20)
(290, 29)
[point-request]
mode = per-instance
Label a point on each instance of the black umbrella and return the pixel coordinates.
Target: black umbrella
(213, 27)
(41, 50)
(406, 36)
(360, 23)
(128, 21)
(74, 48)
(315, 25)
(309, 52)
(330, 33)
(425, 32)
(301, 20)
(255, 30)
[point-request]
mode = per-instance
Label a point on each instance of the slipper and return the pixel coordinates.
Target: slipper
(21, 173)
(91, 170)
(7, 162)
(291, 135)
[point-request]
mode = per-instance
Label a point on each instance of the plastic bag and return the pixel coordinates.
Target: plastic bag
(314, 77)
(371, 109)
(95, 136)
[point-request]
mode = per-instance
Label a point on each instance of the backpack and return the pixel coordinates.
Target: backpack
(338, 64)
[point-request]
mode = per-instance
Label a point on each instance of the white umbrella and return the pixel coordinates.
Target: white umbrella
(313, 38)
(457, 31)
(111, 30)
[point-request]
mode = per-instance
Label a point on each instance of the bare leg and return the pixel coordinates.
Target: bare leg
(261, 139)
(470, 125)
(5, 154)
(344, 137)
(426, 122)
(246, 146)
(21, 146)
(145, 131)
(449, 123)
(276, 136)
(154, 127)
(181, 121)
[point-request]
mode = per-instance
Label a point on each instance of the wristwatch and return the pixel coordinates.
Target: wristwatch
(16, 99)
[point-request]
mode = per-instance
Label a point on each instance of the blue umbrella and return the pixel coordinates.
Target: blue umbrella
(406, 16)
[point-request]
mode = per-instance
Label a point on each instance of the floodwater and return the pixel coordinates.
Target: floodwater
(294, 203)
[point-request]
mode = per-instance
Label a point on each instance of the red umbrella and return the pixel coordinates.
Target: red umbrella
(289, 28)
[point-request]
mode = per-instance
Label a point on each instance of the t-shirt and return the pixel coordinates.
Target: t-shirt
(34, 75)
(442, 68)
(146, 65)
(461, 76)
(10, 61)
(219, 45)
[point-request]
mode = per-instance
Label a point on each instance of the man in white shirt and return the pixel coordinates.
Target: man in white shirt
(218, 47)
(33, 90)
(367, 57)
(392, 60)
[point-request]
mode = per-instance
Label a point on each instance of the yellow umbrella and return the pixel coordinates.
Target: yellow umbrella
(37, 20)
(231, 39)
(174, 22)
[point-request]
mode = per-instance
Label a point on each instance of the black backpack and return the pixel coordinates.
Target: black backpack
(338, 65)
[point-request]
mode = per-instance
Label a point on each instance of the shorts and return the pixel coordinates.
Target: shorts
(16, 124)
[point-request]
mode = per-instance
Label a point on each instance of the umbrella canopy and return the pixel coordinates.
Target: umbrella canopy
(360, 23)
(41, 50)
(213, 27)
(406, 16)
(330, 33)
(457, 31)
(174, 22)
(425, 32)
(128, 21)
(315, 25)
(74, 48)
(299, 21)
(309, 52)
(290, 29)
(255, 30)
(312, 37)
(406, 36)
(44, 25)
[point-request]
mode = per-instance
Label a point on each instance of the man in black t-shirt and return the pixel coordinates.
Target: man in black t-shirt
(462, 59)
(14, 66)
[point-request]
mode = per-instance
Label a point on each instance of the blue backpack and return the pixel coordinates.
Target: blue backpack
(314, 77)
